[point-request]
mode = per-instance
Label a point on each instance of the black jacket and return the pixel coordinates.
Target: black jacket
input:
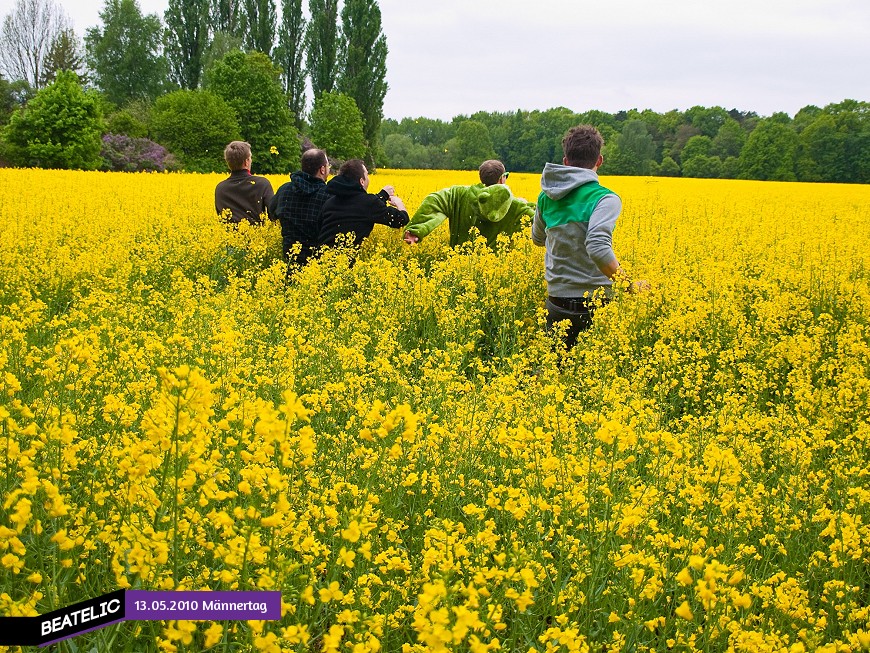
(350, 209)
(297, 206)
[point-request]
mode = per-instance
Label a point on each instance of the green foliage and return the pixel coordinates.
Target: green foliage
(225, 17)
(402, 152)
(125, 55)
(471, 146)
(222, 43)
(729, 140)
(321, 44)
(251, 85)
(696, 146)
(770, 151)
(59, 128)
(12, 96)
(707, 120)
(364, 64)
(124, 122)
(702, 166)
(195, 126)
(632, 150)
(337, 126)
(289, 55)
(259, 25)
(186, 38)
(64, 53)
(667, 168)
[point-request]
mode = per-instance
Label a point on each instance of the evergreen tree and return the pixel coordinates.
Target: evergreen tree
(258, 25)
(186, 40)
(65, 53)
(288, 56)
(364, 64)
(321, 41)
(125, 55)
(59, 128)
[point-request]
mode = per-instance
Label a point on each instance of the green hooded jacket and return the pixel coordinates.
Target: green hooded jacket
(492, 209)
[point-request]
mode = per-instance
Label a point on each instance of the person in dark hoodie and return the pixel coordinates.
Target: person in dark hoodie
(574, 220)
(352, 210)
(297, 206)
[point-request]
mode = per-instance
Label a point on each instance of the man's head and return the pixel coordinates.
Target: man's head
(315, 163)
(355, 170)
(582, 147)
(238, 155)
(492, 172)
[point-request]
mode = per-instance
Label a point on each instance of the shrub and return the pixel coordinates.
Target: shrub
(121, 153)
(59, 128)
(195, 126)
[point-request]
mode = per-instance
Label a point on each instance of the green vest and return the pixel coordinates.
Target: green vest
(576, 206)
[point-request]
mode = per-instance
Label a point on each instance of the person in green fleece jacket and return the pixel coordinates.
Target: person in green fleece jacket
(489, 206)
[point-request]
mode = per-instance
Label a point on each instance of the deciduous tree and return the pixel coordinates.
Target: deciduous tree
(186, 38)
(28, 33)
(364, 64)
(321, 44)
(337, 126)
(289, 55)
(251, 85)
(126, 53)
(259, 25)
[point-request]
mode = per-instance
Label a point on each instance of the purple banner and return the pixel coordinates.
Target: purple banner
(152, 605)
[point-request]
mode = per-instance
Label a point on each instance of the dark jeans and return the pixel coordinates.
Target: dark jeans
(578, 310)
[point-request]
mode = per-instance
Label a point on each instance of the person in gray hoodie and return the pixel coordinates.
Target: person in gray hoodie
(574, 220)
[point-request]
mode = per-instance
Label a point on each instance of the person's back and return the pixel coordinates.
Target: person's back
(574, 220)
(297, 206)
(350, 209)
(242, 196)
(489, 207)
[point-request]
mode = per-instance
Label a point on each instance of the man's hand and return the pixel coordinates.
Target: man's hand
(639, 286)
(389, 190)
(410, 238)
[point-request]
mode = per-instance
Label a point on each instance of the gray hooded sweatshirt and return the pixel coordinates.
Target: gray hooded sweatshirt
(578, 234)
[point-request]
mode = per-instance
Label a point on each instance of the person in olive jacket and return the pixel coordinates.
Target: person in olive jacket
(350, 209)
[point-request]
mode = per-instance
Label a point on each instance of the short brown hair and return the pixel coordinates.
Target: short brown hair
(353, 169)
(312, 160)
(491, 171)
(236, 154)
(582, 146)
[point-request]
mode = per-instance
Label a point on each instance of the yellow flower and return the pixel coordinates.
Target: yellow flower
(684, 611)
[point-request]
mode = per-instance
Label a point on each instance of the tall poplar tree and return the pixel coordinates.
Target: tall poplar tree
(225, 16)
(322, 45)
(258, 23)
(288, 56)
(186, 38)
(364, 64)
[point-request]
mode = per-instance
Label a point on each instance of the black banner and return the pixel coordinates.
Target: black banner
(66, 622)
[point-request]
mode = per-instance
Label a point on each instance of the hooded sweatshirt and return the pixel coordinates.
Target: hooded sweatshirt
(574, 220)
(350, 209)
(297, 206)
(492, 209)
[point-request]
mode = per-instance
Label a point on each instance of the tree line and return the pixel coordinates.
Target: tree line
(827, 144)
(145, 92)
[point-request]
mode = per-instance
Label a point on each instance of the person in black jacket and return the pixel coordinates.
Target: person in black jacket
(297, 206)
(242, 196)
(351, 210)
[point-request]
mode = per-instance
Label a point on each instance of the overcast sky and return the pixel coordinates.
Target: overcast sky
(459, 56)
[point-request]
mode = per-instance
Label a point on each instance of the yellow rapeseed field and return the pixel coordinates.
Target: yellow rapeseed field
(398, 447)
